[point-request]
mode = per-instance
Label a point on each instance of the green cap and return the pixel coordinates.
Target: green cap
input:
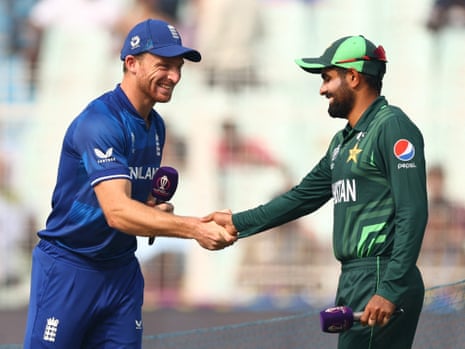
(350, 52)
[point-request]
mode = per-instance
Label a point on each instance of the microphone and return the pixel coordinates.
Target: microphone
(337, 319)
(164, 184)
(340, 319)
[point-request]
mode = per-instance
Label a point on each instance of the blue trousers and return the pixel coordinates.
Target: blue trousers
(76, 303)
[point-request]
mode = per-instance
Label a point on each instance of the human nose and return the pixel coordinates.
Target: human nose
(174, 75)
(323, 89)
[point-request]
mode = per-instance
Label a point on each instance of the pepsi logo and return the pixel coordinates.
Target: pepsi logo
(404, 150)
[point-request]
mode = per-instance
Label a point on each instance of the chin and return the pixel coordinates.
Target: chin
(336, 115)
(163, 99)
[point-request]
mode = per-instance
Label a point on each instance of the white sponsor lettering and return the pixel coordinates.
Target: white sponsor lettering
(104, 157)
(141, 173)
(406, 165)
(344, 190)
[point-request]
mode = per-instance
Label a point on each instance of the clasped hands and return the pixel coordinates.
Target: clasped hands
(226, 232)
(213, 232)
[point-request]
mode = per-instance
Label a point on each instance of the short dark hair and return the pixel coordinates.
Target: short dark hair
(138, 56)
(374, 82)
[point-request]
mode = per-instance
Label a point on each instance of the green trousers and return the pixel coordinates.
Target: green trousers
(357, 284)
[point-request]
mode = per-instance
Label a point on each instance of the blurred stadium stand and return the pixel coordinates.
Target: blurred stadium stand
(286, 112)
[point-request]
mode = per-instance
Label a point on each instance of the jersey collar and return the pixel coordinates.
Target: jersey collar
(369, 114)
(126, 104)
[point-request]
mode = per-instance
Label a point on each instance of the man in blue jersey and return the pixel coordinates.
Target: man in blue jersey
(374, 171)
(86, 285)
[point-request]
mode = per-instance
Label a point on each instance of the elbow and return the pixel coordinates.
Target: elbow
(112, 222)
(115, 220)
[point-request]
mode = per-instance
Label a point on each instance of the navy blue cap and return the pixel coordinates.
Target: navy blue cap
(159, 38)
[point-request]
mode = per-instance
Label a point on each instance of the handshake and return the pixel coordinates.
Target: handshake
(217, 231)
(213, 232)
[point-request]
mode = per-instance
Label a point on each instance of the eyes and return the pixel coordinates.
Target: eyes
(167, 66)
(165, 63)
(325, 77)
(329, 74)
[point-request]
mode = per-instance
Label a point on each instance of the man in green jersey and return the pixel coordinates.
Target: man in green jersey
(374, 170)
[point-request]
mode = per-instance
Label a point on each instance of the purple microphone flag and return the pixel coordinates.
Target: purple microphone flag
(336, 319)
(165, 182)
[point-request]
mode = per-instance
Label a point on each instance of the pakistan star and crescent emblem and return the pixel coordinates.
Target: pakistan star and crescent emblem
(353, 153)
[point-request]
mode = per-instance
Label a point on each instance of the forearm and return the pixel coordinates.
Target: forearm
(299, 201)
(135, 218)
(263, 217)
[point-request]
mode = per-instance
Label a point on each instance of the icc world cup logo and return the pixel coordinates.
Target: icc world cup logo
(162, 185)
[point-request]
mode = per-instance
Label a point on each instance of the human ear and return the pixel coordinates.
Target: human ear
(353, 77)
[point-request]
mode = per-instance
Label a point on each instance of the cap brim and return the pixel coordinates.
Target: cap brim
(176, 50)
(311, 65)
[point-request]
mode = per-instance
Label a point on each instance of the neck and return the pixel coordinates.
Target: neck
(361, 105)
(141, 104)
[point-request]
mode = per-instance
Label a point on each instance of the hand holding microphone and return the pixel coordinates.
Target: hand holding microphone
(337, 319)
(341, 318)
(164, 184)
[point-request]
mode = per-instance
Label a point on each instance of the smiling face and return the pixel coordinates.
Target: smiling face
(157, 76)
(336, 89)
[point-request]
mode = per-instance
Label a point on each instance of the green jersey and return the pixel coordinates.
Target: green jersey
(375, 174)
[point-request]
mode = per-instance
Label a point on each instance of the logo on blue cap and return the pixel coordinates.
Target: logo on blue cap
(174, 32)
(135, 42)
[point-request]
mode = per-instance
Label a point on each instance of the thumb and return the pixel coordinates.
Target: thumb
(207, 218)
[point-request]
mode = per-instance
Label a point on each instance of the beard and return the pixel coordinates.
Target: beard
(343, 102)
